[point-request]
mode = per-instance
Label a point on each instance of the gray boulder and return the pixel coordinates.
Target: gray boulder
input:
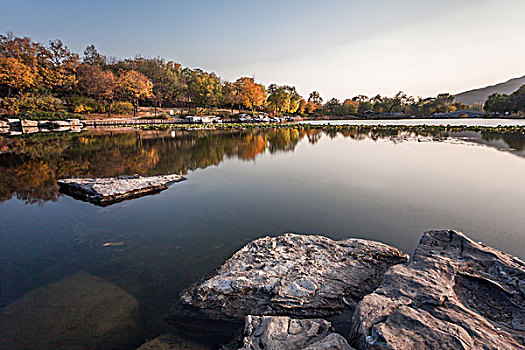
(454, 294)
(106, 191)
(293, 275)
(78, 312)
(281, 332)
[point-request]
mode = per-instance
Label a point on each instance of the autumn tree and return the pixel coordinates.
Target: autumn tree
(204, 89)
(18, 63)
(283, 99)
(15, 76)
(311, 107)
(350, 106)
(168, 85)
(134, 86)
(302, 105)
(252, 95)
(57, 65)
(231, 93)
(98, 83)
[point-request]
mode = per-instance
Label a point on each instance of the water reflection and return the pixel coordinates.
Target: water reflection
(31, 165)
(382, 184)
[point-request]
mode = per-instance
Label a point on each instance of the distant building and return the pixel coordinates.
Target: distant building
(460, 114)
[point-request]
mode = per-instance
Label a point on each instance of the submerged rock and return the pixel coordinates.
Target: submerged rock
(78, 312)
(294, 275)
(106, 191)
(282, 332)
(454, 294)
(170, 342)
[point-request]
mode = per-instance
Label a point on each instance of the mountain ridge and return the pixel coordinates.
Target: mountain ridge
(481, 94)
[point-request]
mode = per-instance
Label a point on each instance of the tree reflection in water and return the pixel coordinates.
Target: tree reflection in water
(30, 165)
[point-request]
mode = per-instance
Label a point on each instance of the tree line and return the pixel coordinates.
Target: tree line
(51, 80)
(503, 103)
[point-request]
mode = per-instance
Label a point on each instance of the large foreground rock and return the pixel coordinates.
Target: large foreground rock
(281, 332)
(106, 191)
(293, 275)
(454, 294)
(78, 312)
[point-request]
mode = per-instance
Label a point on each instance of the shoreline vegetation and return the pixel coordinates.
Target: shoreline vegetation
(51, 82)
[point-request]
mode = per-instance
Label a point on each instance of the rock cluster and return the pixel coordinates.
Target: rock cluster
(81, 311)
(282, 332)
(454, 294)
(293, 275)
(16, 126)
(106, 191)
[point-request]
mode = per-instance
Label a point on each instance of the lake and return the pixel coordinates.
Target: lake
(428, 121)
(386, 185)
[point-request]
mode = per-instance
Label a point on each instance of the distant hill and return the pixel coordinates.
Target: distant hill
(481, 94)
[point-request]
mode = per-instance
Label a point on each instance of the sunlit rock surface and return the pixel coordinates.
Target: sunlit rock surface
(81, 311)
(454, 294)
(293, 275)
(281, 332)
(106, 191)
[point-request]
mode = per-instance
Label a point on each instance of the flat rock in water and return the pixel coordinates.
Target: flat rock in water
(106, 191)
(454, 294)
(170, 342)
(78, 312)
(293, 275)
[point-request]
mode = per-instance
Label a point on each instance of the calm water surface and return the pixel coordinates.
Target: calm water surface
(452, 121)
(381, 185)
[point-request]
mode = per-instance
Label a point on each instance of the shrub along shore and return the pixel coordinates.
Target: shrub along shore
(330, 127)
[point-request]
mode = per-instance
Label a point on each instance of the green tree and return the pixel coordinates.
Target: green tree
(168, 84)
(315, 98)
(93, 57)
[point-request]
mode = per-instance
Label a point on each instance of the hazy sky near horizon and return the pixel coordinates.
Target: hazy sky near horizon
(340, 48)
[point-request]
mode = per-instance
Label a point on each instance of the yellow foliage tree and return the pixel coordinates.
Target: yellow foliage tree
(15, 75)
(134, 86)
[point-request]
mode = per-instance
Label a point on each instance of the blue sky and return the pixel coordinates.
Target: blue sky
(341, 48)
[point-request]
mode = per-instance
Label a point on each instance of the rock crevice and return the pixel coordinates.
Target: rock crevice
(455, 293)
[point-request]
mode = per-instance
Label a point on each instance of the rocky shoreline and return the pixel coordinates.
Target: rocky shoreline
(454, 294)
(301, 292)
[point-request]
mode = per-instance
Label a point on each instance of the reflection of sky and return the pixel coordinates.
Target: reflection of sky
(338, 187)
(339, 47)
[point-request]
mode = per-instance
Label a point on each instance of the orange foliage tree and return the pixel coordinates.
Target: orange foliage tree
(252, 94)
(134, 86)
(15, 74)
(311, 107)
